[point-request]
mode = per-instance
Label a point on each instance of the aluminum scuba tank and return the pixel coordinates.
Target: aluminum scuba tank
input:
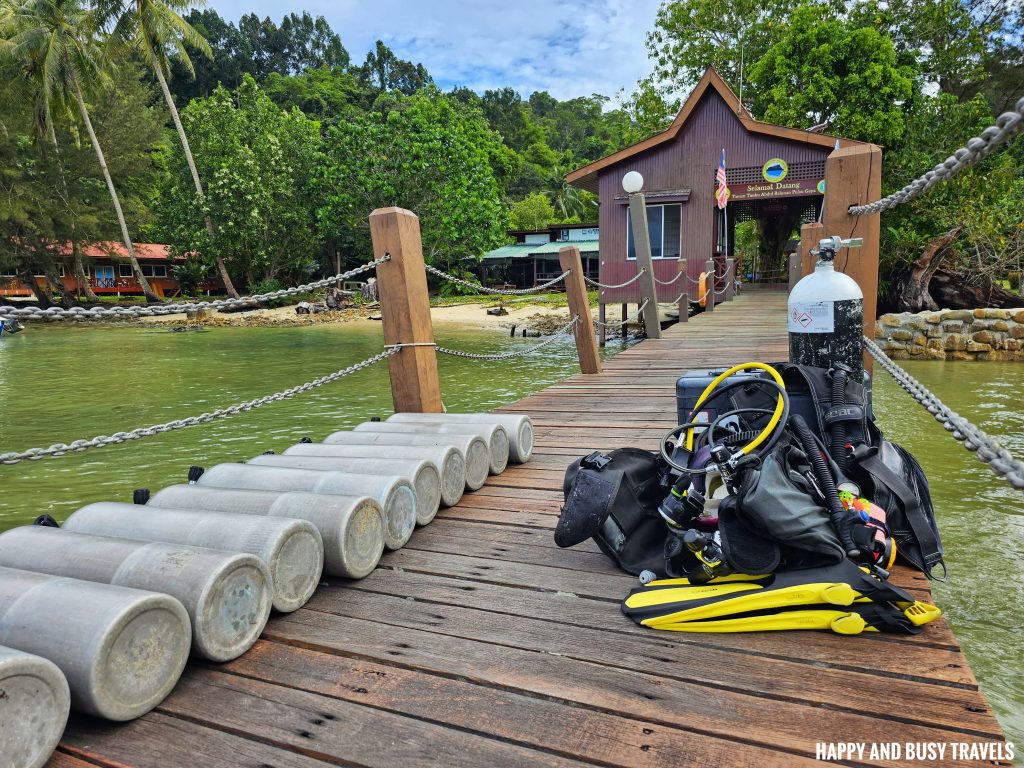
(826, 314)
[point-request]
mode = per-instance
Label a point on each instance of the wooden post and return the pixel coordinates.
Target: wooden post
(625, 325)
(405, 310)
(853, 176)
(642, 246)
(579, 304)
(602, 332)
(684, 289)
(709, 285)
(810, 234)
(730, 284)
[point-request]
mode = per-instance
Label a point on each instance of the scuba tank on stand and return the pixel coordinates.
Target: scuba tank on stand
(826, 314)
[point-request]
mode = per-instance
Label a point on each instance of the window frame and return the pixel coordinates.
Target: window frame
(661, 249)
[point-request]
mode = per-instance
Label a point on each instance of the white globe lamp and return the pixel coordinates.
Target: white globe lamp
(632, 182)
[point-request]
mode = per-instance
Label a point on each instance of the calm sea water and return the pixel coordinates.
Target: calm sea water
(60, 383)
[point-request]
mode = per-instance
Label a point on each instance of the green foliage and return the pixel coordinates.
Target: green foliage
(257, 162)
(532, 212)
(430, 154)
(823, 70)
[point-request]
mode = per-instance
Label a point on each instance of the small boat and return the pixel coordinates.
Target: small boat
(10, 326)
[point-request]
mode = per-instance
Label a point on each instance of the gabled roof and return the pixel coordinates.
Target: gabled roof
(586, 177)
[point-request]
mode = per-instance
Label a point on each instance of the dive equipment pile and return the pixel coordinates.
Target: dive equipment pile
(775, 504)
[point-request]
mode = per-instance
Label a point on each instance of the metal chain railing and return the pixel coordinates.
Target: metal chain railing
(669, 282)
(60, 449)
(152, 310)
(987, 449)
(631, 280)
(1008, 125)
(483, 289)
(630, 319)
(519, 352)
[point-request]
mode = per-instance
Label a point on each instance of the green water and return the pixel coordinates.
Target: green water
(61, 383)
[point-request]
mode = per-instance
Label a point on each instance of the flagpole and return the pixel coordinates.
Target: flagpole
(725, 220)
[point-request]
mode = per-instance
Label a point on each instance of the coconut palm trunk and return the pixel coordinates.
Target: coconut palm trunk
(221, 267)
(80, 277)
(147, 290)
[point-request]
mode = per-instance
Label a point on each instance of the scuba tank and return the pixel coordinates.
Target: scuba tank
(826, 314)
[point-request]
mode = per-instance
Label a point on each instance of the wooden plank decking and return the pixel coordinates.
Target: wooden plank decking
(482, 644)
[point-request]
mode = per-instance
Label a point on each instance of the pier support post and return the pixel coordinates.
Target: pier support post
(709, 285)
(642, 246)
(853, 176)
(624, 329)
(730, 279)
(579, 304)
(405, 310)
(602, 332)
(810, 234)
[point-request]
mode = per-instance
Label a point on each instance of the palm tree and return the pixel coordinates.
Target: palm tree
(151, 27)
(55, 42)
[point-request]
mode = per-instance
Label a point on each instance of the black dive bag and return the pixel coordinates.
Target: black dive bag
(613, 498)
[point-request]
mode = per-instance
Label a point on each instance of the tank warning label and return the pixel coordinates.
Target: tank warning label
(812, 317)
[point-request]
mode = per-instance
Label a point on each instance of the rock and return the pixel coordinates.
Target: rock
(892, 321)
(1017, 331)
(920, 340)
(979, 325)
(1012, 345)
(934, 319)
(880, 332)
(958, 314)
(979, 313)
(959, 356)
(953, 327)
(934, 332)
(977, 347)
(997, 314)
(983, 337)
(936, 354)
(916, 324)
(935, 344)
(956, 341)
(303, 308)
(1018, 316)
(497, 311)
(902, 335)
(892, 346)
(1000, 325)
(374, 317)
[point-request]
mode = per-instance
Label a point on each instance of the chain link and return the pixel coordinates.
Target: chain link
(518, 353)
(669, 282)
(987, 449)
(631, 280)
(482, 289)
(60, 449)
(630, 319)
(153, 310)
(1008, 125)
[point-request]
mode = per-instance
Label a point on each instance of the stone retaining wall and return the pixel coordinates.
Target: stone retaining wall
(953, 334)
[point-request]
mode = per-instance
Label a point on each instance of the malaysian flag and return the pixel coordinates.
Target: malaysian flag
(722, 193)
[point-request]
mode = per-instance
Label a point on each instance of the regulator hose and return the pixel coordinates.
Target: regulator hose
(838, 428)
(839, 516)
(779, 407)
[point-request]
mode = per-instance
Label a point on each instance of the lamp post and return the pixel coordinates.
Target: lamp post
(633, 183)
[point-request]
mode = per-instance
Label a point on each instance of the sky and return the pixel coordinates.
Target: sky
(566, 47)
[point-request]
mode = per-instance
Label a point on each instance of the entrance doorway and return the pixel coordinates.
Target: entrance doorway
(763, 232)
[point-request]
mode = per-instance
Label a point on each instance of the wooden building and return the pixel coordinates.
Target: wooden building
(109, 272)
(533, 258)
(775, 174)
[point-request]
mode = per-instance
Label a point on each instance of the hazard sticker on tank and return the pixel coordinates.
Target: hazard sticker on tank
(812, 317)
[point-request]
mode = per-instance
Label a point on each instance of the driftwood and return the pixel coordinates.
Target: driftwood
(951, 291)
(911, 292)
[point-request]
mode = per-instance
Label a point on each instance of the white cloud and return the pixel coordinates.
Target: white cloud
(567, 47)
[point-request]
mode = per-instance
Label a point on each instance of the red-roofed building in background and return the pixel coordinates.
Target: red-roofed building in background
(109, 272)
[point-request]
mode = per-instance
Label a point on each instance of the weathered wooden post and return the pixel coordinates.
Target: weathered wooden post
(709, 285)
(405, 310)
(730, 278)
(602, 328)
(684, 293)
(579, 304)
(633, 182)
(810, 234)
(853, 176)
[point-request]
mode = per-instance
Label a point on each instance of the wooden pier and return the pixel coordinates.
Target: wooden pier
(482, 644)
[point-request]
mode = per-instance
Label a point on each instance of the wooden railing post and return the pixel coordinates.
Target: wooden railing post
(642, 246)
(709, 285)
(810, 234)
(683, 283)
(579, 305)
(730, 279)
(405, 310)
(853, 176)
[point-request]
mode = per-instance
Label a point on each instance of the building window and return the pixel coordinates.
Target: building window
(154, 270)
(124, 270)
(664, 226)
(563, 235)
